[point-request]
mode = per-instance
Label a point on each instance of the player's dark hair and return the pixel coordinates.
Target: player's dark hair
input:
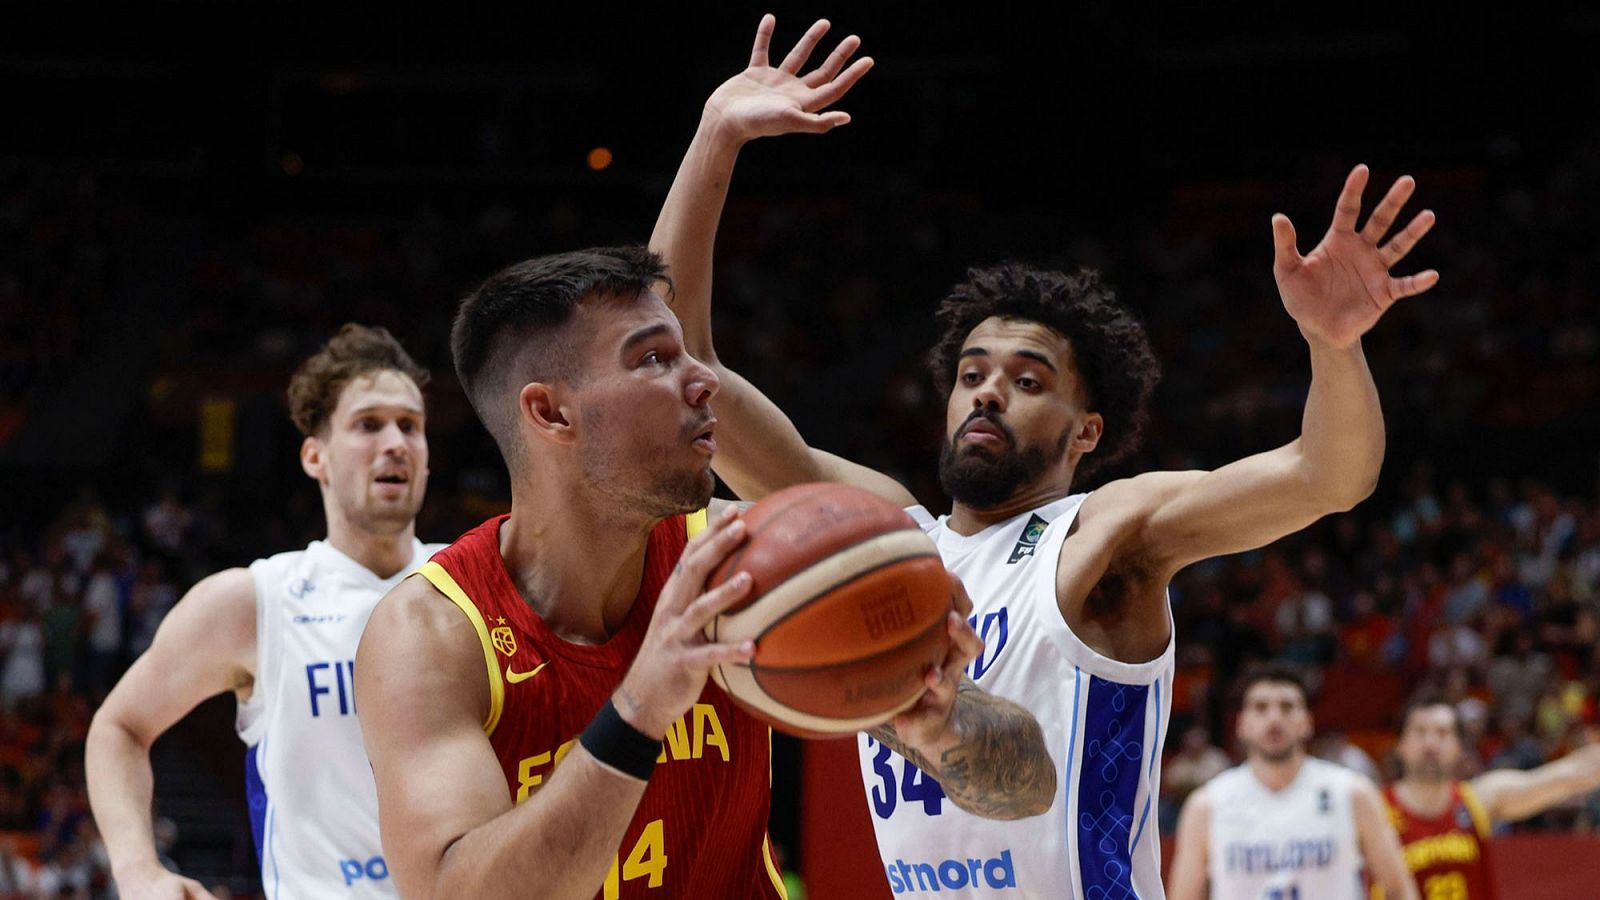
(1272, 673)
(356, 351)
(1428, 699)
(1109, 346)
(513, 324)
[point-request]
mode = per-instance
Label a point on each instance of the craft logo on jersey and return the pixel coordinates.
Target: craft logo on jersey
(300, 588)
(503, 639)
(1323, 803)
(1029, 541)
(889, 611)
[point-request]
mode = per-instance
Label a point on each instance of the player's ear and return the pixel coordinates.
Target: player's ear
(311, 459)
(1087, 436)
(544, 409)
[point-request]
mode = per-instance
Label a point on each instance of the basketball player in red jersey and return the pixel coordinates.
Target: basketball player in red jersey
(1444, 823)
(517, 699)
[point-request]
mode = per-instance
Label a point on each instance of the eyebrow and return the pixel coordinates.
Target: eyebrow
(1034, 355)
(644, 334)
(384, 407)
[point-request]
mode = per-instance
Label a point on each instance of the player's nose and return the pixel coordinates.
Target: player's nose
(702, 384)
(989, 396)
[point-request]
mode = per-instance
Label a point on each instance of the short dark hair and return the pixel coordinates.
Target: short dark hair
(507, 326)
(1109, 345)
(356, 351)
(1428, 699)
(1272, 673)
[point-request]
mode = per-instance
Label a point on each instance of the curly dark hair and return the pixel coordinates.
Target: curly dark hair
(357, 350)
(1109, 345)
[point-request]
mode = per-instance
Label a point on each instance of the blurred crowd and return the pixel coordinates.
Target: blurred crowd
(1475, 569)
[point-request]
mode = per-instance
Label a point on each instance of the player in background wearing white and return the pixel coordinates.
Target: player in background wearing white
(1069, 589)
(282, 636)
(1284, 825)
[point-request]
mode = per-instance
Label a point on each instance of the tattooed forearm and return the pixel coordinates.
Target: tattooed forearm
(992, 761)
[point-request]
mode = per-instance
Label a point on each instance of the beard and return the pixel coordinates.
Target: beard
(643, 482)
(1429, 770)
(982, 480)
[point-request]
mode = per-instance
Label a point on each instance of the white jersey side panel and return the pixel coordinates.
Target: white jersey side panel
(1295, 844)
(1103, 721)
(313, 803)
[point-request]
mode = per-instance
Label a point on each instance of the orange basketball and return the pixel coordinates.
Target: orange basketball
(847, 610)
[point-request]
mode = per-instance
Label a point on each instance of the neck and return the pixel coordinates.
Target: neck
(384, 555)
(1425, 796)
(576, 564)
(969, 520)
(1277, 775)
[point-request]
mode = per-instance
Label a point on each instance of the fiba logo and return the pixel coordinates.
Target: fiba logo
(889, 611)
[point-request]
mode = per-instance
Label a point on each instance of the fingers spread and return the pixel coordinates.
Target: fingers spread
(1285, 256)
(834, 64)
(1412, 285)
(965, 645)
(1396, 249)
(830, 93)
(1383, 216)
(802, 51)
(1348, 207)
(758, 53)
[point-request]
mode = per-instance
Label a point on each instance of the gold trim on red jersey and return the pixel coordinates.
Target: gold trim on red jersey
(446, 585)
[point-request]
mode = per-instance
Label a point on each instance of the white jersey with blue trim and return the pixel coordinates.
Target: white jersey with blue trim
(313, 803)
(1298, 843)
(1103, 722)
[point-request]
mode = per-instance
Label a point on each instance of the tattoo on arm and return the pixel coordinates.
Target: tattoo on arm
(998, 768)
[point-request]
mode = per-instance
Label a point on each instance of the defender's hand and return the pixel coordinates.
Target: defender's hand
(1338, 291)
(765, 101)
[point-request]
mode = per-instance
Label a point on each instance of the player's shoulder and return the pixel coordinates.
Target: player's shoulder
(415, 608)
(230, 590)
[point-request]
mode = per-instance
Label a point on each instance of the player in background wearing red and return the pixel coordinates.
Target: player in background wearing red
(1445, 823)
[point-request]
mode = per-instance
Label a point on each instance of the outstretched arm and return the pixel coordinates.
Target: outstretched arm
(1509, 795)
(1335, 294)
(758, 448)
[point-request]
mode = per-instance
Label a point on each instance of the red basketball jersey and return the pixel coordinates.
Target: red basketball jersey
(1448, 855)
(701, 829)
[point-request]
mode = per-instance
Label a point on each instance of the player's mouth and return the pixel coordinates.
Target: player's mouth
(982, 433)
(704, 441)
(393, 481)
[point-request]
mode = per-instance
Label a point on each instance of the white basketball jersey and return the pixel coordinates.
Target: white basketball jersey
(313, 803)
(1295, 844)
(1103, 721)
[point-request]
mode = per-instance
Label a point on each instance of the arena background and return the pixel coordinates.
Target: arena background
(192, 199)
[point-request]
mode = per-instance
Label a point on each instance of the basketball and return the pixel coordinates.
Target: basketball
(847, 611)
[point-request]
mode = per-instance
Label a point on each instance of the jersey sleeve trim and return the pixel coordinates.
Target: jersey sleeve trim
(1480, 816)
(695, 522)
(446, 585)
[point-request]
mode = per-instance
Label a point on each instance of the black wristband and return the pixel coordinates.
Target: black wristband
(612, 741)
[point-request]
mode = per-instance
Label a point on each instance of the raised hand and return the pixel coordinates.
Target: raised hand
(1339, 290)
(766, 100)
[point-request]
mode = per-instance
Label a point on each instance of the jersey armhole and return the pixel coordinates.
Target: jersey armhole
(1480, 816)
(695, 522)
(446, 585)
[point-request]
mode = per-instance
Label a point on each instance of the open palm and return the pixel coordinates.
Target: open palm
(1339, 290)
(766, 100)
